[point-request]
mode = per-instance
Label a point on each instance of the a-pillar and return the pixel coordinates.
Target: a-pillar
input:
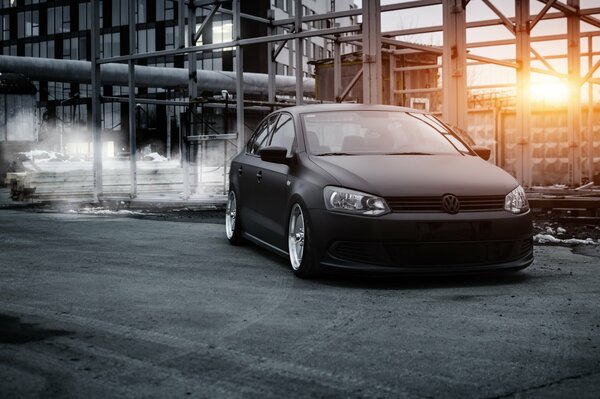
(454, 63)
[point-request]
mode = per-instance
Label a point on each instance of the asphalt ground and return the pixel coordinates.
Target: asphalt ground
(100, 306)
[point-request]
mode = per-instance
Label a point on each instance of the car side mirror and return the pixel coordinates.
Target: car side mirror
(483, 152)
(275, 155)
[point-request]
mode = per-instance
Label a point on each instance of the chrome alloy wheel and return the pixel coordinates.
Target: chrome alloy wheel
(296, 237)
(230, 215)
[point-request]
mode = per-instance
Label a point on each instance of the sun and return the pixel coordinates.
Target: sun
(550, 93)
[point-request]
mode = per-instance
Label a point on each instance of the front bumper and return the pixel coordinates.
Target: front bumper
(422, 242)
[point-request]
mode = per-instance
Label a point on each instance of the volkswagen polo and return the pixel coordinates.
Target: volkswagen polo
(382, 189)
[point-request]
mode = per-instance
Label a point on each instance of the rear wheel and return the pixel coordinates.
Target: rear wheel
(299, 245)
(232, 220)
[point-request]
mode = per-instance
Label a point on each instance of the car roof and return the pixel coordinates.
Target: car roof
(302, 109)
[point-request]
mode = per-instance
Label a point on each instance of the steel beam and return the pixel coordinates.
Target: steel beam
(271, 62)
(590, 115)
(505, 21)
(132, 109)
(337, 69)
(239, 71)
(454, 64)
(242, 42)
(574, 103)
(205, 22)
(299, 53)
(541, 15)
(96, 105)
(372, 80)
(523, 111)
(573, 11)
(345, 92)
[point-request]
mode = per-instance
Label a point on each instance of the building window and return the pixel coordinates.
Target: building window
(140, 11)
(59, 20)
(5, 29)
(85, 21)
(110, 45)
(120, 12)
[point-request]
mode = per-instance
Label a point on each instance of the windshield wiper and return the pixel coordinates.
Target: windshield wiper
(408, 153)
(334, 153)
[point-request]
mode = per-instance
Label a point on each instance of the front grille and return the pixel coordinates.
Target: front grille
(479, 203)
(415, 254)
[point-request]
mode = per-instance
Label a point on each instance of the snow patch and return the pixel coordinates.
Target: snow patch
(106, 212)
(155, 157)
(550, 239)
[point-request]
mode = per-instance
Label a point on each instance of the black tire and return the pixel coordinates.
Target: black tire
(233, 225)
(303, 265)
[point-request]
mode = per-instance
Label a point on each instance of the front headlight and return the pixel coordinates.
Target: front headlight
(516, 201)
(338, 199)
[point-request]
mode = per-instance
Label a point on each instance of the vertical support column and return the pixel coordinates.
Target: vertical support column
(590, 121)
(181, 23)
(574, 104)
(372, 82)
(523, 123)
(392, 75)
(271, 64)
(96, 104)
(192, 130)
(131, 81)
(299, 54)
(337, 69)
(239, 71)
(454, 64)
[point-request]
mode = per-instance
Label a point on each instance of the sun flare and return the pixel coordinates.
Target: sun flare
(552, 93)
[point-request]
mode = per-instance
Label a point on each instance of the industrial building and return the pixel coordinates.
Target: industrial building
(175, 87)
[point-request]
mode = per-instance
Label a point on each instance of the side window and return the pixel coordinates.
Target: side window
(284, 133)
(259, 139)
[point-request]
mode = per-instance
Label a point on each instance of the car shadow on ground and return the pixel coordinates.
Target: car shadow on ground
(404, 282)
(398, 282)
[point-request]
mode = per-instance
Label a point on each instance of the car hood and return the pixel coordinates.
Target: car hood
(417, 175)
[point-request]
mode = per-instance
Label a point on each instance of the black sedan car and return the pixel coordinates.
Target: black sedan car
(374, 188)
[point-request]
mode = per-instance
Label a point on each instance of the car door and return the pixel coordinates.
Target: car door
(246, 174)
(272, 190)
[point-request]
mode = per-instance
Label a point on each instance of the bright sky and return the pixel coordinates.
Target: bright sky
(477, 10)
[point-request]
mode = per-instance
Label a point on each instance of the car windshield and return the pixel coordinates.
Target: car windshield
(378, 132)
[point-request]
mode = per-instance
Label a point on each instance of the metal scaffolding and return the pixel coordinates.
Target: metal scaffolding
(456, 59)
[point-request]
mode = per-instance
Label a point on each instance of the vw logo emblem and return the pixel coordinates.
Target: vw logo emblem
(450, 204)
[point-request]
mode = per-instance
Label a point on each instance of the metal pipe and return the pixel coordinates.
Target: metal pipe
(117, 74)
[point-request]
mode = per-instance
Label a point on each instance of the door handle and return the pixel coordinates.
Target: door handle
(259, 175)
(240, 171)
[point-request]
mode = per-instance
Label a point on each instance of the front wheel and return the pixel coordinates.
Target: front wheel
(299, 246)
(233, 227)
